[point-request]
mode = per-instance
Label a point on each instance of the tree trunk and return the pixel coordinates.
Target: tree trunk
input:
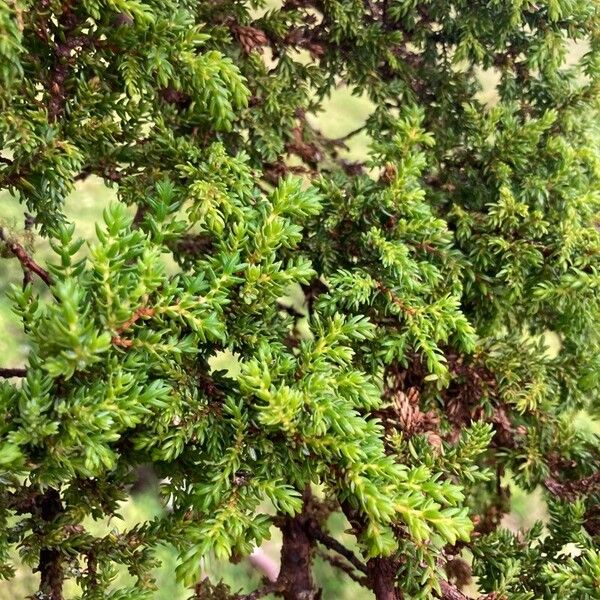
(381, 573)
(51, 560)
(295, 575)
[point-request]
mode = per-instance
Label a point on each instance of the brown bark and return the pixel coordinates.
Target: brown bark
(295, 576)
(27, 263)
(569, 490)
(52, 574)
(51, 560)
(16, 372)
(296, 561)
(449, 592)
(381, 573)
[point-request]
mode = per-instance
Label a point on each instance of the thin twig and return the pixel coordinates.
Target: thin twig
(16, 372)
(409, 310)
(27, 275)
(141, 313)
(27, 262)
(105, 172)
(144, 312)
(334, 545)
(271, 588)
(350, 134)
(344, 566)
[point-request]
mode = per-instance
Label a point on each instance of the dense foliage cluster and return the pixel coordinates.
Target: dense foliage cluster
(416, 376)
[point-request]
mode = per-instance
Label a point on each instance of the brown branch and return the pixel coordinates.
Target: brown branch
(449, 592)
(27, 262)
(569, 490)
(27, 275)
(342, 565)
(347, 136)
(381, 571)
(191, 244)
(395, 300)
(8, 372)
(334, 545)
(92, 569)
(140, 313)
(295, 578)
(104, 171)
(381, 574)
(271, 588)
(272, 173)
(139, 217)
(63, 62)
(51, 559)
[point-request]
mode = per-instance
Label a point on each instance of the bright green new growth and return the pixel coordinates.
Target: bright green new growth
(415, 377)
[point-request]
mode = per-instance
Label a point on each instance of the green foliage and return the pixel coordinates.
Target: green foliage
(415, 373)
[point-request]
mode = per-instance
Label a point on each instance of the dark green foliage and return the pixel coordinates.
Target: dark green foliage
(417, 374)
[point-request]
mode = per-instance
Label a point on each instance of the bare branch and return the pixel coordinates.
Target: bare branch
(342, 565)
(28, 275)
(271, 588)
(450, 592)
(569, 490)
(27, 262)
(349, 135)
(8, 372)
(334, 545)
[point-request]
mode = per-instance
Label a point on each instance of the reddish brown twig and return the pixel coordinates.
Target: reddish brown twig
(121, 342)
(144, 311)
(117, 340)
(27, 262)
(28, 275)
(397, 301)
